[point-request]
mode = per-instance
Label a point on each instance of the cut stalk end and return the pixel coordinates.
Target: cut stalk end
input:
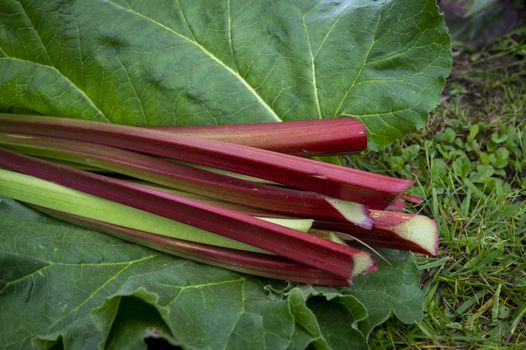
(422, 231)
(352, 212)
(302, 225)
(363, 264)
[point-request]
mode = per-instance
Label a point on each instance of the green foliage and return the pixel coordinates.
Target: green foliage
(213, 62)
(85, 290)
(218, 62)
(470, 167)
(480, 22)
(488, 154)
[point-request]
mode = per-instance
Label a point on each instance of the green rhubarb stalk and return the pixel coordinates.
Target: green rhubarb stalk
(57, 197)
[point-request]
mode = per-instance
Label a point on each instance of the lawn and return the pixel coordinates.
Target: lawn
(470, 164)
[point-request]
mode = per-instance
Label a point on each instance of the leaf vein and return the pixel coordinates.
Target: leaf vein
(71, 83)
(8, 283)
(360, 70)
(229, 30)
(134, 90)
(313, 70)
(101, 287)
(24, 11)
(209, 54)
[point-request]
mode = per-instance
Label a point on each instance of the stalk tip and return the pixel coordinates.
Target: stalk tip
(422, 231)
(362, 264)
(353, 212)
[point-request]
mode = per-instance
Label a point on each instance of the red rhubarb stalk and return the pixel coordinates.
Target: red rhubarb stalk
(375, 191)
(226, 188)
(263, 265)
(391, 230)
(301, 138)
(398, 205)
(320, 253)
(412, 199)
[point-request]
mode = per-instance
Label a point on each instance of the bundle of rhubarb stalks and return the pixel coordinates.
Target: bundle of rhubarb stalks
(243, 197)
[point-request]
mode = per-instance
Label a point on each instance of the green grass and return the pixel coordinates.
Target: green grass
(470, 166)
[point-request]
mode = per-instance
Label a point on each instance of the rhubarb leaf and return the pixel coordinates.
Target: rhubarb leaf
(184, 63)
(86, 290)
(218, 62)
(395, 289)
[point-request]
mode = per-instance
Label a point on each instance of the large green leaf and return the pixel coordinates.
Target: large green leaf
(206, 62)
(83, 290)
(181, 62)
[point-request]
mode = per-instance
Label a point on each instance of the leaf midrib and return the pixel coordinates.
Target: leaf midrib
(209, 54)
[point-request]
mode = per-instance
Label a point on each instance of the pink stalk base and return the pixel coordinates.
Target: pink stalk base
(398, 205)
(412, 199)
(270, 266)
(313, 251)
(302, 138)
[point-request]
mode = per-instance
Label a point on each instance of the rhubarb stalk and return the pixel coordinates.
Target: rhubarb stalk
(394, 230)
(320, 253)
(375, 191)
(281, 200)
(301, 138)
(391, 230)
(49, 195)
(263, 265)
